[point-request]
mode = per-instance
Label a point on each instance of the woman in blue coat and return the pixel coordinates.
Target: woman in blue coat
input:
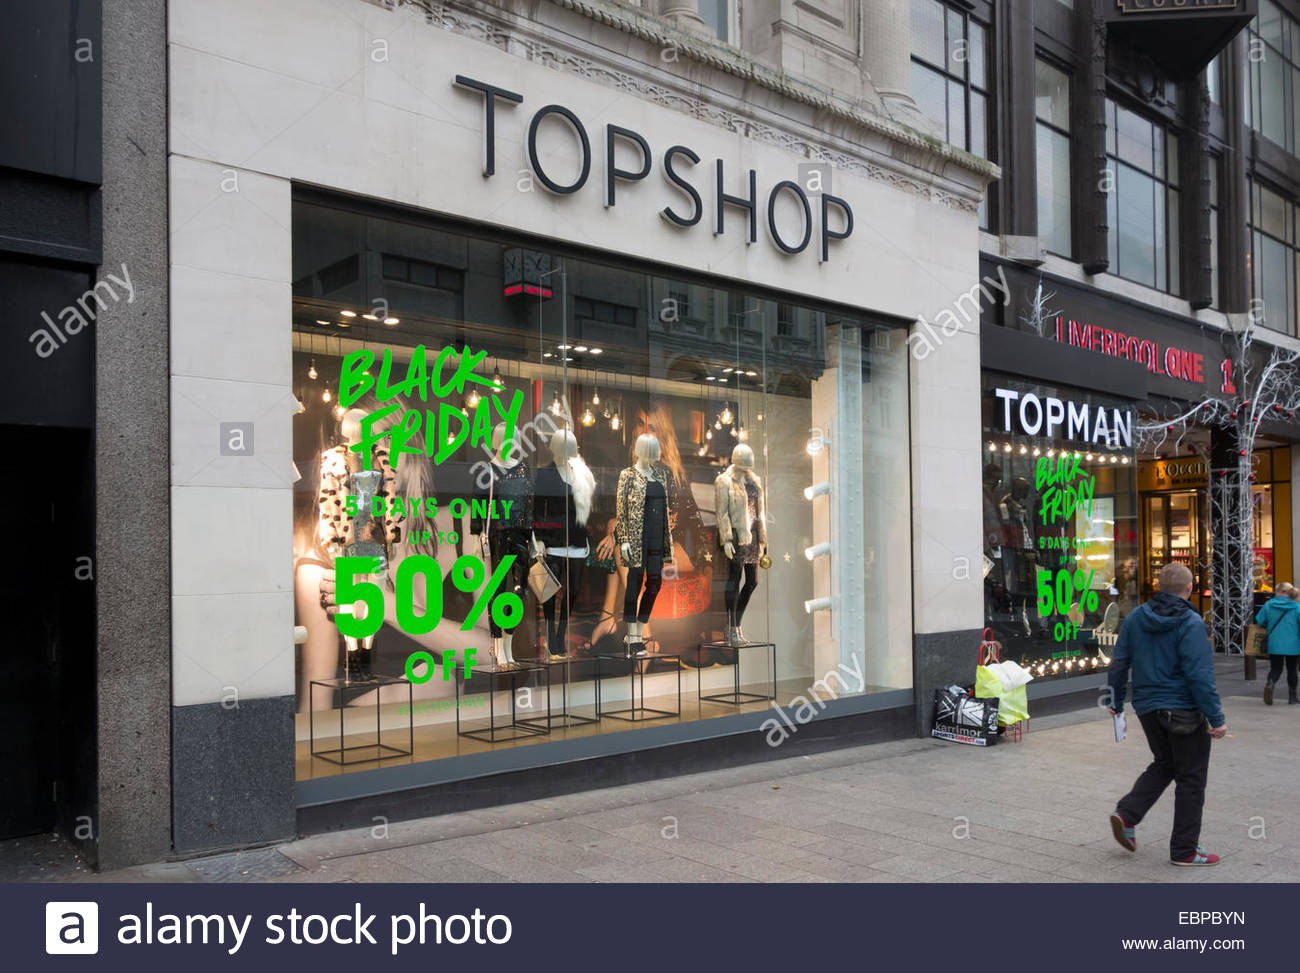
(1281, 617)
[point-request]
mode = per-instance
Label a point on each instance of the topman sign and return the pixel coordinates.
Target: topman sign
(1046, 415)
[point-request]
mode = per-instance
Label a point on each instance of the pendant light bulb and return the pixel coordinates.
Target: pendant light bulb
(472, 400)
(557, 409)
(588, 417)
(496, 377)
(338, 412)
(595, 397)
(726, 416)
(325, 396)
(311, 370)
(615, 421)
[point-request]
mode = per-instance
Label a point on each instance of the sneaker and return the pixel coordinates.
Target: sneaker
(1201, 857)
(1122, 832)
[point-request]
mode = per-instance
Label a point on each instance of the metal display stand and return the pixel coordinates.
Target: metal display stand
(500, 730)
(636, 712)
(736, 697)
(563, 716)
(355, 687)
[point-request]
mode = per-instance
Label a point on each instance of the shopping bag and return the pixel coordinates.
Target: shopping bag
(1256, 640)
(1005, 682)
(963, 719)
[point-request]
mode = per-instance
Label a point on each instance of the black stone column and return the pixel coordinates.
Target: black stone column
(1088, 140)
(1194, 174)
(1234, 204)
(1017, 191)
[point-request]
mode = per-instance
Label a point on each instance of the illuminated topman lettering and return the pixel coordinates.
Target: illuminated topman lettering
(1036, 415)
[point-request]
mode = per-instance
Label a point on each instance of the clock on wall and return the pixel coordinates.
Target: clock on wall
(527, 272)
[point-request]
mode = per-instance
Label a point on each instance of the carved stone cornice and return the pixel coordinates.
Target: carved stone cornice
(901, 158)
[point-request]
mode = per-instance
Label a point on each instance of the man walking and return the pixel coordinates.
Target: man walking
(1165, 644)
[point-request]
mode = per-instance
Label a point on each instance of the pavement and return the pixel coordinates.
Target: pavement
(908, 811)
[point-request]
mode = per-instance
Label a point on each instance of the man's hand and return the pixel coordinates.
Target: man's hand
(1219, 732)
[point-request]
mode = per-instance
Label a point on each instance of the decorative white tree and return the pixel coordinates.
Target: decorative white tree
(1036, 316)
(1251, 393)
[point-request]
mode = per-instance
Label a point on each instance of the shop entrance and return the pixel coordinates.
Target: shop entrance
(1175, 529)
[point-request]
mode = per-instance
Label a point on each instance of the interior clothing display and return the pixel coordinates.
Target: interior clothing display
(741, 512)
(508, 533)
(647, 556)
(570, 571)
(556, 519)
(633, 528)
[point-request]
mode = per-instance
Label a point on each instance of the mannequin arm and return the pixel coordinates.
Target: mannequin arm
(730, 550)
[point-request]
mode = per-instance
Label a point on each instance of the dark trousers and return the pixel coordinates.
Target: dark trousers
(737, 597)
(569, 570)
(1183, 759)
(1275, 663)
(652, 573)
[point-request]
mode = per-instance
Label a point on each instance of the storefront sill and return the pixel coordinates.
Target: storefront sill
(433, 773)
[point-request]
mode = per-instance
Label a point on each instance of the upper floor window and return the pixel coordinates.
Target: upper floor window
(950, 76)
(717, 14)
(1052, 150)
(1273, 258)
(1273, 68)
(1142, 199)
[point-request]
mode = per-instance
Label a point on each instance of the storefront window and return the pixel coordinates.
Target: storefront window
(1060, 524)
(1274, 256)
(657, 414)
(1274, 74)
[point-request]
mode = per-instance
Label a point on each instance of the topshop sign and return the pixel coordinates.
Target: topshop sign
(828, 218)
(1046, 415)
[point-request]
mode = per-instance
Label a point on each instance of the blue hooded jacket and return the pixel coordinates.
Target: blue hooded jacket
(1280, 615)
(1165, 644)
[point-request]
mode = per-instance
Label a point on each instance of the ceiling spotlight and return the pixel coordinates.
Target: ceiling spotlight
(391, 320)
(579, 348)
(311, 370)
(752, 374)
(371, 317)
(1123, 459)
(709, 378)
(816, 605)
(564, 347)
(817, 550)
(322, 322)
(596, 351)
(343, 324)
(1088, 457)
(728, 370)
(816, 490)
(348, 314)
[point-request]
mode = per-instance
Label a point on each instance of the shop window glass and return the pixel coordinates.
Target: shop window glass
(1060, 528)
(605, 352)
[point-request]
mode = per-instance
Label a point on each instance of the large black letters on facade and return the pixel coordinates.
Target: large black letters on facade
(673, 172)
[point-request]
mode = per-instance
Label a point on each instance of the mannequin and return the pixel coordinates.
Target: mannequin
(506, 534)
(561, 506)
(643, 536)
(343, 473)
(742, 528)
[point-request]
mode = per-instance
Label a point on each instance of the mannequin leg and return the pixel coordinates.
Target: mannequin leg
(571, 579)
(549, 607)
(751, 582)
(732, 590)
(654, 577)
(634, 578)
